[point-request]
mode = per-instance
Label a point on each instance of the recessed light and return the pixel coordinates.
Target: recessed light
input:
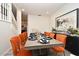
(22, 9)
(47, 12)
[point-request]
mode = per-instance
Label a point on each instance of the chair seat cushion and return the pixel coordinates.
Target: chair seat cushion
(24, 53)
(58, 49)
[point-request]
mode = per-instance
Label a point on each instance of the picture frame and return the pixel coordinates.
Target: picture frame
(68, 19)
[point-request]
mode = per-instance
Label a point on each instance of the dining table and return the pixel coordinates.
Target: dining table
(37, 46)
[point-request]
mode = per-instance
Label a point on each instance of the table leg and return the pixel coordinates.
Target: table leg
(40, 52)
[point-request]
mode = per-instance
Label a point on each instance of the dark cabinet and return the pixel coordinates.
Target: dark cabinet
(72, 44)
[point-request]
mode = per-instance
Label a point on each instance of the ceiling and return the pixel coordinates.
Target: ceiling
(39, 8)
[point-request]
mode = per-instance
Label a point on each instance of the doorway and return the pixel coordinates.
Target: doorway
(24, 22)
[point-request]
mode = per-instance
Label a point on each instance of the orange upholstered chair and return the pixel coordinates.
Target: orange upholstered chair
(16, 47)
(23, 37)
(60, 49)
(49, 34)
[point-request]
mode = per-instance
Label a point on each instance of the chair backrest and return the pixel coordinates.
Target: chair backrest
(61, 38)
(47, 33)
(15, 43)
(23, 37)
(52, 35)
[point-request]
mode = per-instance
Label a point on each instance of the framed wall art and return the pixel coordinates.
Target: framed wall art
(69, 19)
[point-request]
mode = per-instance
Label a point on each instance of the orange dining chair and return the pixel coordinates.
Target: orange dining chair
(60, 49)
(16, 47)
(23, 37)
(51, 35)
(47, 34)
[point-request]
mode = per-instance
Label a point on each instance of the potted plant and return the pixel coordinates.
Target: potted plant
(53, 29)
(73, 31)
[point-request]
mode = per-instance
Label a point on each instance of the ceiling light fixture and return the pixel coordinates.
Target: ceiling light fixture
(39, 15)
(47, 12)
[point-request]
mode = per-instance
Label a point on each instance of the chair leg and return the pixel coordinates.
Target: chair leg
(56, 54)
(64, 53)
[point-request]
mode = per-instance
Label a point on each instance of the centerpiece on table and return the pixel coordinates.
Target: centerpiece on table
(42, 38)
(73, 31)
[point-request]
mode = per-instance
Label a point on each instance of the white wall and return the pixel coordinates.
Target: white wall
(64, 9)
(38, 23)
(5, 34)
(7, 30)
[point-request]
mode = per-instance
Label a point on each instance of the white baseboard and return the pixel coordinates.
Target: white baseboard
(6, 52)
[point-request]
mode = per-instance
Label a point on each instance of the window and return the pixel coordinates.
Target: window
(4, 11)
